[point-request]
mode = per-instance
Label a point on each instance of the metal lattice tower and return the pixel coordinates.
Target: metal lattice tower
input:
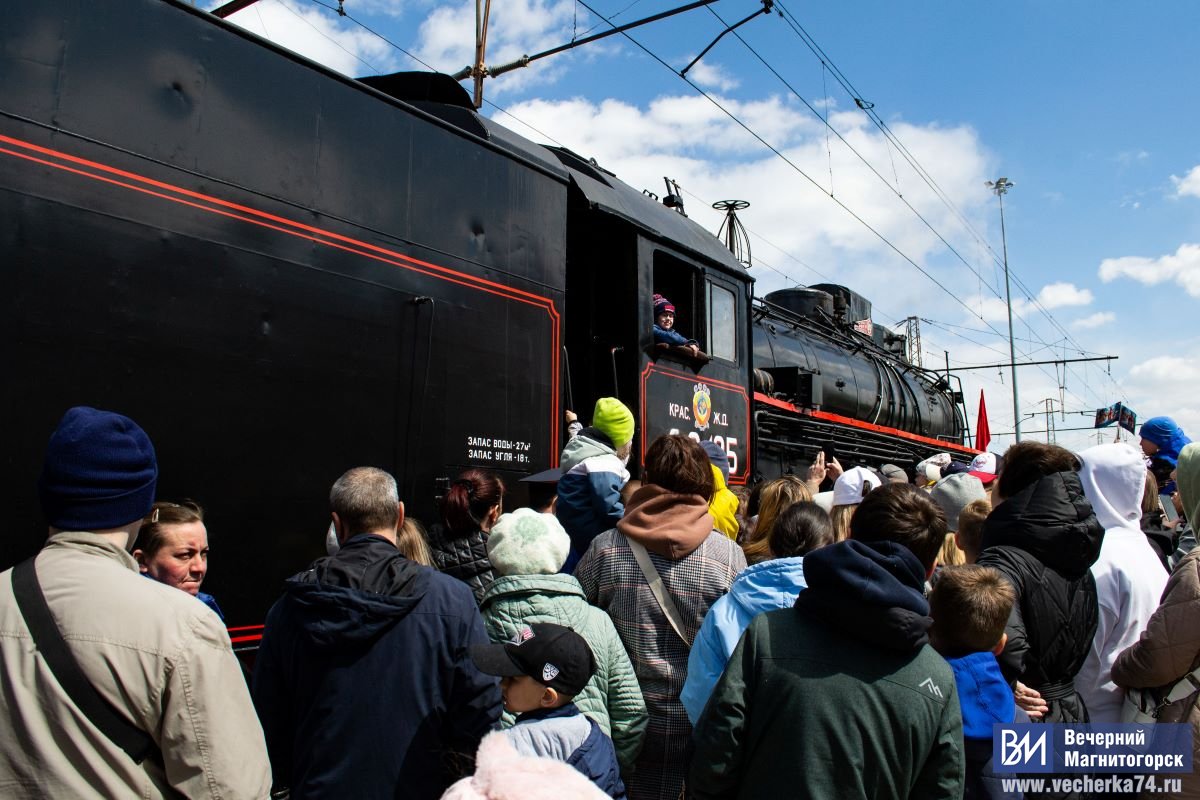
(732, 232)
(912, 333)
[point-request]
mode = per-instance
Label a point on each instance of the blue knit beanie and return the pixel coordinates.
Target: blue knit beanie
(1167, 434)
(717, 457)
(100, 472)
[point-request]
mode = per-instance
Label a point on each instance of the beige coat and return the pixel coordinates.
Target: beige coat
(157, 654)
(1169, 649)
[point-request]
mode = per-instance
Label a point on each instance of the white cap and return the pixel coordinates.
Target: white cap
(931, 468)
(985, 466)
(852, 486)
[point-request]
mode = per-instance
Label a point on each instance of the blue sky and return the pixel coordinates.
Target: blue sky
(1089, 108)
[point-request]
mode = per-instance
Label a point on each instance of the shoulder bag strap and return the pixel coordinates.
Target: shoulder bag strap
(1183, 687)
(656, 586)
(50, 643)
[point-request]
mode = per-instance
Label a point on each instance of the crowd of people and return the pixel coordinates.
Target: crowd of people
(848, 633)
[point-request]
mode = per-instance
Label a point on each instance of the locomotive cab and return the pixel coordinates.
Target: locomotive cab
(622, 248)
(706, 398)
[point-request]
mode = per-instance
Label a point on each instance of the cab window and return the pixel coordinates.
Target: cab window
(722, 323)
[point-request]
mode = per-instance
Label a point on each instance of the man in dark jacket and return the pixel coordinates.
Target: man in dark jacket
(1044, 537)
(841, 696)
(363, 681)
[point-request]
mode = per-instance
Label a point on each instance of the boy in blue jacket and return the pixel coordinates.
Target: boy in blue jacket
(541, 671)
(970, 607)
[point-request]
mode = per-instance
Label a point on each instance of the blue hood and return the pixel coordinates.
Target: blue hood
(983, 694)
(769, 585)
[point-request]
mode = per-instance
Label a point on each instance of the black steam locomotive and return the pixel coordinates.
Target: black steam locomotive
(282, 273)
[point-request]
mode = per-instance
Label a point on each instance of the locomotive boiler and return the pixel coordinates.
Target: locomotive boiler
(828, 378)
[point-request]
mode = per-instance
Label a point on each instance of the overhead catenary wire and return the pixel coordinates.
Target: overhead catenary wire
(865, 161)
(892, 139)
(1043, 344)
(427, 66)
(795, 167)
(815, 183)
(889, 318)
(373, 32)
(926, 177)
(868, 109)
(758, 261)
(839, 76)
(943, 323)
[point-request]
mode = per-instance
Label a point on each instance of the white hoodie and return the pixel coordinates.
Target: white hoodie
(1129, 576)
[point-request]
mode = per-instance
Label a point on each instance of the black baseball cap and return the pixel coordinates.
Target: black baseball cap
(551, 654)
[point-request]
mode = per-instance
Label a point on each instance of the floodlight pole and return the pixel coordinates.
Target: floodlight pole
(1000, 187)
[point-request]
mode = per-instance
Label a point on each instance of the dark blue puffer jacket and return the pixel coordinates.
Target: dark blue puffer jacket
(363, 683)
(565, 734)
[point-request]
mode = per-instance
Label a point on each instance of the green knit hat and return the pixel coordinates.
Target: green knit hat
(614, 420)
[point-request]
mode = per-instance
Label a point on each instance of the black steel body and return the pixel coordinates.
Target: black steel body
(282, 273)
(278, 272)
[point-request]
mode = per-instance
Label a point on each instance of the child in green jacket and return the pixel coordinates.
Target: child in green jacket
(527, 549)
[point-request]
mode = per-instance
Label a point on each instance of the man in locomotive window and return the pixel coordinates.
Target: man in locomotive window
(665, 333)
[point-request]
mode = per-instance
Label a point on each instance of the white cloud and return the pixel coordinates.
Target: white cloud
(713, 76)
(1166, 385)
(1130, 156)
(1168, 368)
(1182, 266)
(1053, 295)
(690, 139)
(994, 309)
(1056, 295)
(1189, 184)
(318, 34)
(1099, 319)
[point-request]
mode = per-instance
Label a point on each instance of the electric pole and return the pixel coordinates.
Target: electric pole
(1000, 187)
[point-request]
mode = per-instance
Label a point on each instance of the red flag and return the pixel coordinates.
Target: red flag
(982, 434)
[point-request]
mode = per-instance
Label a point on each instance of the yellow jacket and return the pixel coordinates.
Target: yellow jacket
(723, 507)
